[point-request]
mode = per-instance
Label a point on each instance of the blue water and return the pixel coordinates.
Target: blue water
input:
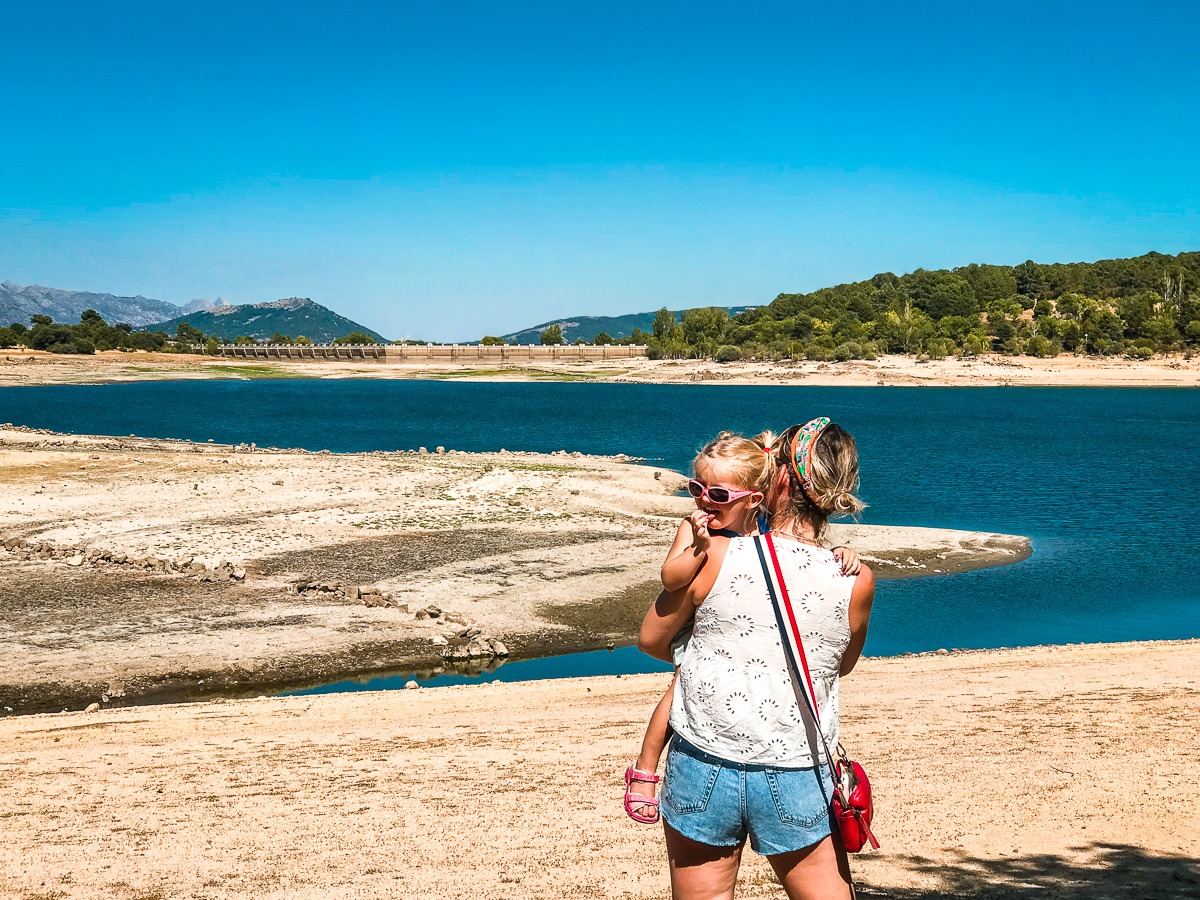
(621, 661)
(1104, 480)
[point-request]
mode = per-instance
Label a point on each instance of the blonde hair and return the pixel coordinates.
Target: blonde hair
(745, 459)
(832, 480)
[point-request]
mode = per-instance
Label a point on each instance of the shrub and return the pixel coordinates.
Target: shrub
(819, 352)
(848, 350)
(727, 353)
(1039, 346)
(1139, 352)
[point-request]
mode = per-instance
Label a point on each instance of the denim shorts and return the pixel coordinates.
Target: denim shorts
(719, 803)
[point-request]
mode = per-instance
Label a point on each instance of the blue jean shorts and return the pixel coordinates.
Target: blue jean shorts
(719, 803)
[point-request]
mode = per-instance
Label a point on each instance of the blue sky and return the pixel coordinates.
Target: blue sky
(477, 168)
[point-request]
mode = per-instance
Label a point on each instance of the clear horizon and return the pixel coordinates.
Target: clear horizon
(445, 174)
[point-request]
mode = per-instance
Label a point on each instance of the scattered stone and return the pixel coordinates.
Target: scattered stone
(438, 641)
(498, 647)
(239, 574)
(421, 614)
(92, 707)
(411, 686)
(75, 561)
(469, 633)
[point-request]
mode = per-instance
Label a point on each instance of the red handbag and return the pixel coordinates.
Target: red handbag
(852, 806)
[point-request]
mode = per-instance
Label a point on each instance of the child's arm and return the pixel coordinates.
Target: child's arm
(849, 560)
(687, 555)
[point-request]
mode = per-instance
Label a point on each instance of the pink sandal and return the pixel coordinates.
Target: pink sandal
(635, 803)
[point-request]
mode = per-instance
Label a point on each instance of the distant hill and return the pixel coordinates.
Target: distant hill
(587, 327)
(294, 316)
(18, 303)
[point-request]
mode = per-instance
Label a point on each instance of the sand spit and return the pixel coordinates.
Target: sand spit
(24, 367)
(1053, 772)
(135, 570)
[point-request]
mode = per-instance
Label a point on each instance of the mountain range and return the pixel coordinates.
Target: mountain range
(587, 327)
(293, 316)
(18, 303)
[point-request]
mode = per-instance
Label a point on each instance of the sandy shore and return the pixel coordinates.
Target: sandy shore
(1057, 772)
(136, 570)
(19, 367)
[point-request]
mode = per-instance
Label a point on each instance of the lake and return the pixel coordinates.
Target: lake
(1104, 480)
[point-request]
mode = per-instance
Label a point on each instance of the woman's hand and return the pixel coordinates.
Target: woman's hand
(848, 557)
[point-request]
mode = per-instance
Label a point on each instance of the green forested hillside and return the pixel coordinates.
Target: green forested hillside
(1121, 306)
(292, 317)
(588, 328)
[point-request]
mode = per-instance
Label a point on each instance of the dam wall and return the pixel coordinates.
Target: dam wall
(416, 353)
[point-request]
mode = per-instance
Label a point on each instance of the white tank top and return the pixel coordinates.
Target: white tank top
(734, 696)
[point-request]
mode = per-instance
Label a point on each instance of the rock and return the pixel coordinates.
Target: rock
(455, 652)
(470, 633)
(92, 707)
(116, 690)
(433, 611)
(943, 652)
(498, 648)
(75, 561)
(438, 641)
(423, 450)
(373, 600)
(411, 686)
(239, 574)
(441, 451)
(478, 650)
(195, 568)
(403, 607)
(421, 614)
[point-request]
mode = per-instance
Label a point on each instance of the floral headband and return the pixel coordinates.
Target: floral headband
(802, 451)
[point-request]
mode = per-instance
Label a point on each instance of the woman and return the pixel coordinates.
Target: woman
(745, 760)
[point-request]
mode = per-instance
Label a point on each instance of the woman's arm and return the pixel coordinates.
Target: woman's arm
(670, 612)
(861, 597)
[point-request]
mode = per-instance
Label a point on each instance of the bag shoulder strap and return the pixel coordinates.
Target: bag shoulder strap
(793, 645)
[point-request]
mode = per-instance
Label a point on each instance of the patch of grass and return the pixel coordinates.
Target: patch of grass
(252, 372)
(517, 371)
(540, 467)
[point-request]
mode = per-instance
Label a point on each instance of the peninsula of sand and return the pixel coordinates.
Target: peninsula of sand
(136, 570)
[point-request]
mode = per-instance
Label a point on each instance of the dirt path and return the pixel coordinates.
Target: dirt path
(1066, 772)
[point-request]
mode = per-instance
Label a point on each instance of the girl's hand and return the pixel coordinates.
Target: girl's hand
(849, 560)
(701, 539)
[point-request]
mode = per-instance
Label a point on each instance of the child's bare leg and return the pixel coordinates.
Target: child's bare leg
(658, 732)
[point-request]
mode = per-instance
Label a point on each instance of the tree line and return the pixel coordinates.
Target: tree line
(1134, 307)
(93, 333)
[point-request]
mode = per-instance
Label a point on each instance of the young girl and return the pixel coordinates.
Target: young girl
(732, 477)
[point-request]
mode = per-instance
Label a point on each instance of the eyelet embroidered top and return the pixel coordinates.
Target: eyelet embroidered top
(734, 696)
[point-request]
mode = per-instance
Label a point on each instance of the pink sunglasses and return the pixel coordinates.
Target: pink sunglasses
(717, 495)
